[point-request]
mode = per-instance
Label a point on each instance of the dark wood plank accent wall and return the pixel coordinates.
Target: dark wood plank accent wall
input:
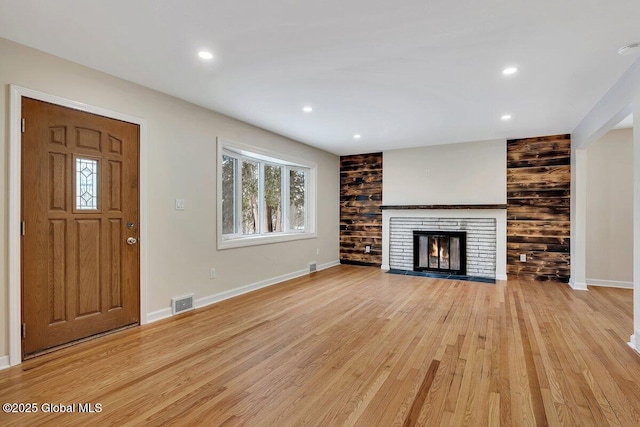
(360, 214)
(538, 215)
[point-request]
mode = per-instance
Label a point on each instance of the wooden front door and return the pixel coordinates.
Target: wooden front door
(80, 275)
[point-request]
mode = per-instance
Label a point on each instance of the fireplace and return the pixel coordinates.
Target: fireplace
(440, 251)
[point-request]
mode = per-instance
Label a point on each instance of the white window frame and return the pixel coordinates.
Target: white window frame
(243, 151)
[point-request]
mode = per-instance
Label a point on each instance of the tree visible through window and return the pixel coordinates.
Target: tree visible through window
(249, 197)
(273, 198)
(261, 197)
(229, 166)
(297, 191)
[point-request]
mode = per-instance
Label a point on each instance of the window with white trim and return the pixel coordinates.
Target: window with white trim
(263, 197)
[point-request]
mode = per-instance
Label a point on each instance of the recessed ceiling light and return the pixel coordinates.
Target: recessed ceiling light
(506, 117)
(509, 71)
(205, 55)
(357, 136)
(307, 109)
(629, 49)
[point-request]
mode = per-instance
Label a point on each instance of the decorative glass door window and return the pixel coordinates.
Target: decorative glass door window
(86, 184)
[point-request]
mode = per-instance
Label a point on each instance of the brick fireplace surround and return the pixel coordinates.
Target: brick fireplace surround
(485, 226)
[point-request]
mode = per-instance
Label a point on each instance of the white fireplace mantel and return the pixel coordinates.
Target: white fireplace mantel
(500, 215)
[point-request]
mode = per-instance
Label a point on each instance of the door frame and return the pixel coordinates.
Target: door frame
(15, 156)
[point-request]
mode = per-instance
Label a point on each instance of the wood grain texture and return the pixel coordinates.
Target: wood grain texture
(354, 346)
(79, 277)
(360, 214)
(454, 207)
(538, 207)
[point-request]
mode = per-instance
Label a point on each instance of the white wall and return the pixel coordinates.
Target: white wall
(623, 98)
(610, 210)
(181, 164)
(466, 173)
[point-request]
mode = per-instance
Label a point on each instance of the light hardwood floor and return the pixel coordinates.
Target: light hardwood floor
(355, 346)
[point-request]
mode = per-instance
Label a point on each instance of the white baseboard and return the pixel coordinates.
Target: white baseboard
(154, 316)
(328, 265)
(634, 341)
(221, 296)
(610, 283)
(501, 277)
(4, 362)
(384, 267)
(577, 286)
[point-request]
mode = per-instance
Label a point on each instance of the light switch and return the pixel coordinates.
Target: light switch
(179, 204)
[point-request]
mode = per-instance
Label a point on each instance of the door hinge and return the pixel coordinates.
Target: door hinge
(22, 228)
(24, 330)
(23, 124)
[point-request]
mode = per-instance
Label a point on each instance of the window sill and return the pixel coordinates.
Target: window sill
(240, 242)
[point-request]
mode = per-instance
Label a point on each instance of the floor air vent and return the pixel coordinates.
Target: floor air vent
(182, 304)
(312, 267)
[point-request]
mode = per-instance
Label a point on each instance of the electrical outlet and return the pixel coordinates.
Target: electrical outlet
(179, 204)
(212, 273)
(367, 249)
(318, 251)
(523, 257)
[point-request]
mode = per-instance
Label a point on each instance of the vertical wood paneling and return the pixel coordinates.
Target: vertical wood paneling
(538, 213)
(360, 214)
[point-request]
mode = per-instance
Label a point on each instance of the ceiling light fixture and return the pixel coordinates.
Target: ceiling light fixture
(629, 49)
(357, 136)
(509, 71)
(205, 55)
(307, 109)
(506, 117)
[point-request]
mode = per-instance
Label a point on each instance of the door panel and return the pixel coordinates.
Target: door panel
(79, 191)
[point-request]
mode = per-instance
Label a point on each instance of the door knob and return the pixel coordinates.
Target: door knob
(131, 241)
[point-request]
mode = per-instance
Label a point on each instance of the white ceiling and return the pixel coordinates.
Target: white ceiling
(401, 74)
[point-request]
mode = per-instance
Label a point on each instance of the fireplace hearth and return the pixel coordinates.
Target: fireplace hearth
(440, 251)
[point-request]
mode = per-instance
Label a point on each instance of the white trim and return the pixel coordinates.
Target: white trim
(578, 214)
(15, 112)
(385, 267)
(614, 106)
(610, 283)
(261, 154)
(620, 100)
(634, 341)
(4, 362)
(15, 155)
(154, 316)
(577, 286)
(262, 239)
(221, 296)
